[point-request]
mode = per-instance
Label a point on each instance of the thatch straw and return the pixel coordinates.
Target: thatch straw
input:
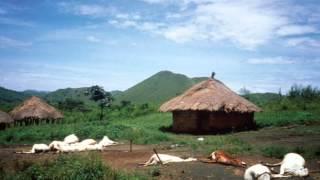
(35, 108)
(5, 118)
(209, 95)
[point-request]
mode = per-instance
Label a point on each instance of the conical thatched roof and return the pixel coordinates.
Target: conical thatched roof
(5, 118)
(209, 95)
(35, 108)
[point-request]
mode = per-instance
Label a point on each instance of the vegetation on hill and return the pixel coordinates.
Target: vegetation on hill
(10, 98)
(158, 88)
(115, 92)
(36, 93)
(62, 95)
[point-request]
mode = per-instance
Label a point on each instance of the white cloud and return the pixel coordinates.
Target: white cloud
(136, 17)
(156, 1)
(290, 30)
(6, 42)
(128, 23)
(91, 10)
(113, 22)
(153, 27)
(93, 39)
(247, 24)
(181, 34)
(123, 23)
(271, 61)
(122, 16)
(174, 16)
(303, 42)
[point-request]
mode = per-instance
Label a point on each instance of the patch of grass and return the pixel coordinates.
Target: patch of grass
(274, 151)
(280, 151)
(142, 130)
(71, 167)
(154, 171)
(229, 143)
(284, 118)
(309, 130)
(147, 130)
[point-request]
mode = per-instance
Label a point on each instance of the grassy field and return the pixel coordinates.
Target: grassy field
(145, 129)
(295, 120)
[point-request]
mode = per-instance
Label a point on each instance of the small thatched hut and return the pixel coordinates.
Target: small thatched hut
(5, 120)
(34, 110)
(210, 107)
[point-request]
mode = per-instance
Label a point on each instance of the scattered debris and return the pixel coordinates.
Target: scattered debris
(200, 139)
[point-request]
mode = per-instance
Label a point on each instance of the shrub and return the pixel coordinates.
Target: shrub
(155, 171)
(275, 151)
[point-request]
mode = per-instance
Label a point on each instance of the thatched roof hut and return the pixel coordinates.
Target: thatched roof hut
(210, 106)
(5, 120)
(209, 95)
(35, 108)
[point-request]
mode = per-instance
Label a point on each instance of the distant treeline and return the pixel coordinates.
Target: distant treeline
(305, 93)
(298, 97)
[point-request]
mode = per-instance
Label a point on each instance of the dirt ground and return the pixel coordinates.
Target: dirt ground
(119, 157)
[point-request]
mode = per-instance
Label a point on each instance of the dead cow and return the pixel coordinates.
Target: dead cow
(165, 158)
(71, 139)
(36, 148)
(107, 142)
(88, 142)
(257, 172)
(292, 164)
(224, 158)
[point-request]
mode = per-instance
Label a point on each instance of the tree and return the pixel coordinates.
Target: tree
(99, 95)
(72, 104)
(244, 91)
(306, 93)
(125, 103)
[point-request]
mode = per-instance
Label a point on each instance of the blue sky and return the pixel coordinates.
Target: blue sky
(257, 44)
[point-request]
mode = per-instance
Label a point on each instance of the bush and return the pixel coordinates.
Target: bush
(71, 167)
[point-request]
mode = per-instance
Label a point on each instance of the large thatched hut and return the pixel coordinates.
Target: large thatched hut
(210, 107)
(5, 120)
(34, 110)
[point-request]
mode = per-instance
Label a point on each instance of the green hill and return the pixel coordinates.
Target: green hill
(61, 95)
(116, 93)
(35, 93)
(158, 88)
(10, 98)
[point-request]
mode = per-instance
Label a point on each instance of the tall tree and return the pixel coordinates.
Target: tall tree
(99, 95)
(244, 91)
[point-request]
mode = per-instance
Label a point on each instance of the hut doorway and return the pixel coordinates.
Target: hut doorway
(202, 121)
(2, 126)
